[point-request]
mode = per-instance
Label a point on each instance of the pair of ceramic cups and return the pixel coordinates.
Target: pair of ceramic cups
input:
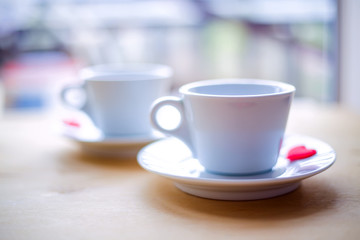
(232, 126)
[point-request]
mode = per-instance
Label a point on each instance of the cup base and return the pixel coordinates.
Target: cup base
(238, 174)
(128, 135)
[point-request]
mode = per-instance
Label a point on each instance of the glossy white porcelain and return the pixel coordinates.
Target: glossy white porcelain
(232, 126)
(118, 97)
(172, 159)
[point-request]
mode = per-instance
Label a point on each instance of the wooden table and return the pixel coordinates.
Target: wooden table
(49, 189)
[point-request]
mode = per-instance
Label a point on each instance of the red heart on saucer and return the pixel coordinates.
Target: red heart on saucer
(300, 152)
(71, 123)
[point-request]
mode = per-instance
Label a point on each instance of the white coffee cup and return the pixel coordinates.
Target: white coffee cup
(118, 98)
(232, 126)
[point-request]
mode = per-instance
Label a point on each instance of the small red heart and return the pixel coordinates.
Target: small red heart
(300, 152)
(71, 123)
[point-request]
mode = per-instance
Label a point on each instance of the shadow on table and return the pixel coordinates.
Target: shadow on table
(79, 159)
(310, 198)
(78, 172)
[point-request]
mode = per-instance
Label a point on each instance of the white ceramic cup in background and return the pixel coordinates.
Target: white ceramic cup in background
(232, 126)
(118, 98)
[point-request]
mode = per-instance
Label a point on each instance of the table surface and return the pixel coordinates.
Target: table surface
(50, 189)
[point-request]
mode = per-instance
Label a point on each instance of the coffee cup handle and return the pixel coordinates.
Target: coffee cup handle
(182, 130)
(65, 100)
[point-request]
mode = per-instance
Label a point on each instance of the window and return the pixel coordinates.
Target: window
(292, 41)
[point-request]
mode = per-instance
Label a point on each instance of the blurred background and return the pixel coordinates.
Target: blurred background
(312, 44)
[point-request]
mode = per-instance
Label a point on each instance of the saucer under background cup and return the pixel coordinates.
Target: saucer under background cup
(171, 158)
(92, 141)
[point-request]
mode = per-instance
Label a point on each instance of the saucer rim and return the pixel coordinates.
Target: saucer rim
(123, 140)
(243, 182)
(86, 122)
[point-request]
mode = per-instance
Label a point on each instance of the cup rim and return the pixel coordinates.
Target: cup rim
(285, 87)
(154, 71)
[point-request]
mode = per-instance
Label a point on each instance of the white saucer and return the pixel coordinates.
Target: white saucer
(93, 141)
(170, 158)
